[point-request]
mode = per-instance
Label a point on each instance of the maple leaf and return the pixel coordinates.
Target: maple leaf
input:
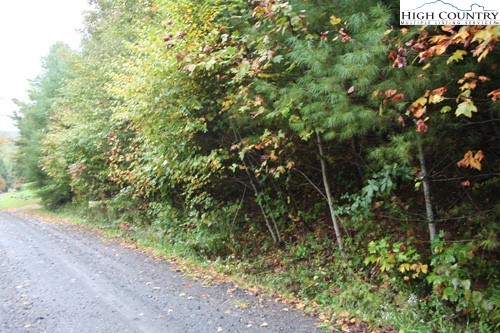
(472, 160)
(427, 54)
(335, 20)
(420, 46)
(495, 94)
(457, 56)
(469, 75)
(469, 85)
(440, 49)
(466, 108)
(478, 50)
(422, 126)
(438, 39)
(418, 107)
(398, 98)
(485, 53)
(461, 36)
(436, 95)
(419, 110)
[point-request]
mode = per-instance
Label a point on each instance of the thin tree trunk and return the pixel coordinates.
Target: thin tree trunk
(263, 211)
(329, 198)
(427, 190)
(276, 237)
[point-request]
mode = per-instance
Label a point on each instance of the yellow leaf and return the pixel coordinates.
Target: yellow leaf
(335, 20)
(243, 306)
(421, 101)
(404, 267)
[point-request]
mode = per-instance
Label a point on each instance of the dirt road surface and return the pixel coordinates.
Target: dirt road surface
(59, 278)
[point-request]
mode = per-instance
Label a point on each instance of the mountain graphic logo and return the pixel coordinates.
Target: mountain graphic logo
(472, 8)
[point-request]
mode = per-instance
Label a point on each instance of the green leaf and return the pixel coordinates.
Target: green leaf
(466, 108)
(446, 109)
(457, 56)
(209, 64)
(465, 284)
(277, 59)
(477, 297)
(243, 70)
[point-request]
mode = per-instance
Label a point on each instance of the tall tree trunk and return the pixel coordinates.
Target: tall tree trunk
(427, 190)
(329, 197)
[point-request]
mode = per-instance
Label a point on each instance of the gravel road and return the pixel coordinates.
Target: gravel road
(60, 278)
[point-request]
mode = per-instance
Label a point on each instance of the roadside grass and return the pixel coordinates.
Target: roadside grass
(344, 305)
(18, 199)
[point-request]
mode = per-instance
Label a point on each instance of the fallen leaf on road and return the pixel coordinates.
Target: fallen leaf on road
(242, 305)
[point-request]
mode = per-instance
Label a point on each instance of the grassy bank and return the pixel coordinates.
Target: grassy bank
(18, 199)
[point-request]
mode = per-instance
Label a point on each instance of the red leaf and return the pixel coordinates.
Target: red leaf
(398, 98)
(421, 126)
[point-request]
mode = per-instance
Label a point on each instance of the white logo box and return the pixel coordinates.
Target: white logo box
(449, 12)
